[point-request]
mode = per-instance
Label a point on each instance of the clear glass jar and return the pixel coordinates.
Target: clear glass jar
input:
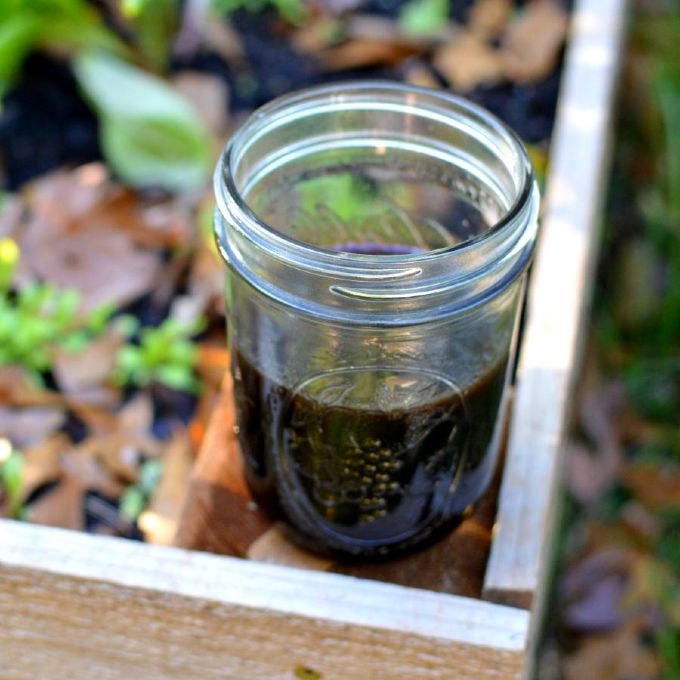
(377, 238)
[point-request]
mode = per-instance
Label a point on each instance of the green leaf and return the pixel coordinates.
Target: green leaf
(348, 196)
(150, 475)
(155, 22)
(150, 134)
(12, 480)
(132, 503)
(18, 34)
(424, 17)
(177, 377)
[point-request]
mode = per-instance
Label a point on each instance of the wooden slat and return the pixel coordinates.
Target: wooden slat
(558, 303)
(74, 605)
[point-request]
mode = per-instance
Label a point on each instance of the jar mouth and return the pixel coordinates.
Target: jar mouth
(224, 179)
(465, 139)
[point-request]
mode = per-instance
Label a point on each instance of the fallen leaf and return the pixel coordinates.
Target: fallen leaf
(102, 265)
(586, 478)
(213, 362)
(206, 283)
(655, 486)
(19, 389)
(119, 442)
(420, 75)
(159, 521)
(41, 464)
(80, 465)
(364, 52)
(317, 35)
(612, 657)
(489, 18)
(208, 94)
(531, 45)
(61, 507)
(467, 61)
(598, 608)
(91, 368)
(11, 213)
(27, 426)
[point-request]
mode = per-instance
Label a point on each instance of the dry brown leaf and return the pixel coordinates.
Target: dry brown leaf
(220, 37)
(612, 657)
(419, 74)
(208, 94)
(116, 453)
(206, 281)
(204, 410)
(41, 464)
(81, 232)
(467, 61)
(654, 486)
(315, 36)
(159, 521)
(532, 42)
(154, 224)
(89, 369)
(80, 465)
(384, 29)
(11, 212)
(102, 265)
(586, 478)
(213, 362)
(489, 18)
(61, 507)
(30, 425)
(336, 7)
(363, 52)
(119, 442)
(17, 389)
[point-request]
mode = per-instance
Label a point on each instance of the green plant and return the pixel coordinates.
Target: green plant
(136, 497)
(38, 320)
(149, 133)
(155, 23)
(292, 10)
(165, 354)
(424, 17)
(11, 468)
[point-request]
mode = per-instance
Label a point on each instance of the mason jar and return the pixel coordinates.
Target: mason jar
(377, 238)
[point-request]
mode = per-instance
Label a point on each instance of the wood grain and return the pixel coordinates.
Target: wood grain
(90, 606)
(558, 303)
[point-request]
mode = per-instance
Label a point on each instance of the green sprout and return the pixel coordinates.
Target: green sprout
(11, 467)
(420, 18)
(137, 496)
(39, 320)
(165, 354)
(293, 11)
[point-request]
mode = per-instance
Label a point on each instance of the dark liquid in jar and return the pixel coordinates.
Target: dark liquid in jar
(365, 481)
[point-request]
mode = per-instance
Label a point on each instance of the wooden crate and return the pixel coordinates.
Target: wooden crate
(76, 606)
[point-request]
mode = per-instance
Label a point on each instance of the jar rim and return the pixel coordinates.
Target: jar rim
(224, 176)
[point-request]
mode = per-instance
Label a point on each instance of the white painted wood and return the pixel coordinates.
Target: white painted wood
(558, 302)
(269, 587)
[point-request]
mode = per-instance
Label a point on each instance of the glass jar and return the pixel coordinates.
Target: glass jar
(377, 238)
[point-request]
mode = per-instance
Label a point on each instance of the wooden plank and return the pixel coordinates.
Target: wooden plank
(558, 303)
(82, 605)
(220, 517)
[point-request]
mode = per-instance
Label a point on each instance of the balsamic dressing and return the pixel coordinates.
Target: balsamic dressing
(356, 480)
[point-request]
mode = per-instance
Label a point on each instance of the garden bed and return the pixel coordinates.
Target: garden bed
(176, 611)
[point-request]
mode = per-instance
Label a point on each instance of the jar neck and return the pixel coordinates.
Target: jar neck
(379, 289)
